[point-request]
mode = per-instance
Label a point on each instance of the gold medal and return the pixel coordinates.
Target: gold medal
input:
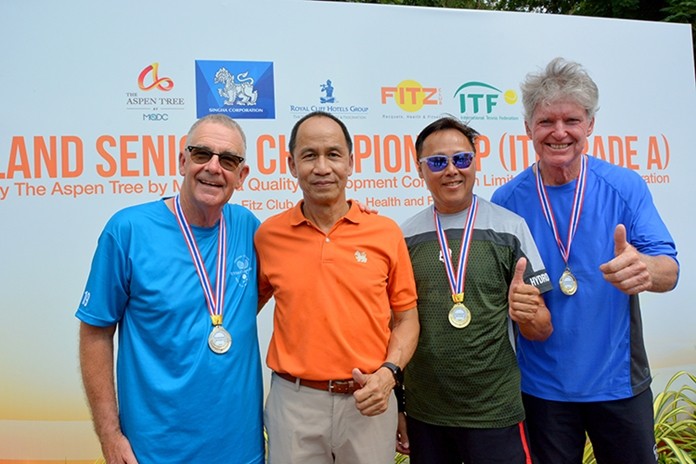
(568, 283)
(219, 340)
(459, 316)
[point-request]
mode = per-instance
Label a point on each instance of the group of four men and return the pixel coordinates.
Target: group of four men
(181, 279)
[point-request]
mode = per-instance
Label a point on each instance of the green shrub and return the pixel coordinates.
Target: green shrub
(675, 423)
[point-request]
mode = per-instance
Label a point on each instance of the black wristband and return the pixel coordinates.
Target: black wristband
(400, 398)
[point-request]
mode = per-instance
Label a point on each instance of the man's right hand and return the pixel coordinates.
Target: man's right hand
(402, 444)
(97, 366)
(373, 397)
(117, 450)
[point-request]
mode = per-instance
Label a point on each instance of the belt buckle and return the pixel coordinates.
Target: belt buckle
(341, 386)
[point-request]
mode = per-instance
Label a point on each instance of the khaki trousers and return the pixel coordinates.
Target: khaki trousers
(309, 426)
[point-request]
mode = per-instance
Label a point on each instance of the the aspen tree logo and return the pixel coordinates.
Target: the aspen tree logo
(153, 102)
(149, 79)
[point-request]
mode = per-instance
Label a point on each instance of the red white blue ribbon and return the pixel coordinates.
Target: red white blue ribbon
(215, 302)
(578, 201)
(456, 281)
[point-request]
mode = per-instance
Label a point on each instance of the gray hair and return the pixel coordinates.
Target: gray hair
(560, 80)
(221, 119)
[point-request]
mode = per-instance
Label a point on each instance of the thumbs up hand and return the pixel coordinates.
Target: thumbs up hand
(628, 271)
(376, 389)
(620, 242)
(359, 377)
(523, 299)
(527, 307)
(518, 277)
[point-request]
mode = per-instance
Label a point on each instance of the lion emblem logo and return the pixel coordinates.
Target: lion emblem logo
(239, 92)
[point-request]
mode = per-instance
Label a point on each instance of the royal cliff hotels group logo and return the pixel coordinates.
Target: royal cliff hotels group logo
(154, 102)
(327, 99)
(240, 89)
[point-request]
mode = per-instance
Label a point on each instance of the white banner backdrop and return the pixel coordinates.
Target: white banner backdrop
(97, 98)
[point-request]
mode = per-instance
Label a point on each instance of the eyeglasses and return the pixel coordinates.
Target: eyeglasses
(201, 155)
(437, 163)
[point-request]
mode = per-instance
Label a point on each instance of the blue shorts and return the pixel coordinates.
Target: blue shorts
(621, 431)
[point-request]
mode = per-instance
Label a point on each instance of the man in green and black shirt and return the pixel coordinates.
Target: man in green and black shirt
(479, 279)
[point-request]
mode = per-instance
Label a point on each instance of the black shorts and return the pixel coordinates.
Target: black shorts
(435, 444)
(621, 431)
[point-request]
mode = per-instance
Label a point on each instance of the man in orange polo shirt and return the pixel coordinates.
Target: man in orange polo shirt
(345, 320)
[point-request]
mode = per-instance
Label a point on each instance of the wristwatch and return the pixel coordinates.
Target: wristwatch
(396, 372)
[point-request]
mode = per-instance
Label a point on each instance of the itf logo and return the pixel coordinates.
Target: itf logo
(411, 96)
(479, 100)
(240, 89)
(149, 79)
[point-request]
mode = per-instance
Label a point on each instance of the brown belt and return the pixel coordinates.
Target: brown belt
(333, 386)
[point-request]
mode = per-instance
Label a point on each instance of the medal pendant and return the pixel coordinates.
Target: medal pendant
(459, 316)
(219, 340)
(568, 283)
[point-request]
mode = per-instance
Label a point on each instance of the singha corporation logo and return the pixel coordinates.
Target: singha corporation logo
(240, 92)
(328, 89)
(239, 89)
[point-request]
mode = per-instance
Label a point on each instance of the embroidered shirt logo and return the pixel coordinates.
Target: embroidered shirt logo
(241, 274)
(442, 258)
(361, 256)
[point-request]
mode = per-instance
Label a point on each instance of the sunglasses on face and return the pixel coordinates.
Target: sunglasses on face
(437, 163)
(201, 155)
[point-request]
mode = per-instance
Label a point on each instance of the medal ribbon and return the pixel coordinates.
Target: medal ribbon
(578, 201)
(215, 302)
(456, 281)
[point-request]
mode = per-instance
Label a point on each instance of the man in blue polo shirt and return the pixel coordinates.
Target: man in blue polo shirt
(178, 278)
(603, 242)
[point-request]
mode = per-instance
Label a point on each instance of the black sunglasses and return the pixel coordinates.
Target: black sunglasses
(201, 155)
(437, 163)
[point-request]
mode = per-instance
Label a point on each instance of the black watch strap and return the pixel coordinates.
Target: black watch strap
(400, 400)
